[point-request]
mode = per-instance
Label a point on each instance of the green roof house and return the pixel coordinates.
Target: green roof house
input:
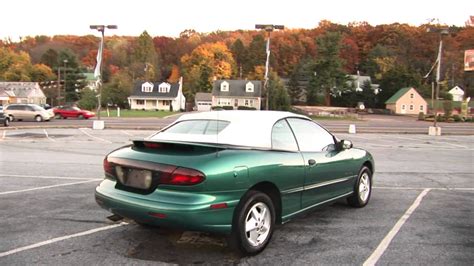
(407, 101)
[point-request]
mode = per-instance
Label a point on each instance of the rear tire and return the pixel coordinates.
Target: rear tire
(362, 189)
(253, 223)
(80, 117)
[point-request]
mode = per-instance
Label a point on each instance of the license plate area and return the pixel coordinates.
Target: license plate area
(135, 178)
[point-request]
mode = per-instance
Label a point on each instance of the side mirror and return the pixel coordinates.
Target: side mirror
(344, 145)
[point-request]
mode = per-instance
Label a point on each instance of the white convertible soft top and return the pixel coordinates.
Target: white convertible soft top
(246, 128)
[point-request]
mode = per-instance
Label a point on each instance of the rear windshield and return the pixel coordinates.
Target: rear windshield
(199, 127)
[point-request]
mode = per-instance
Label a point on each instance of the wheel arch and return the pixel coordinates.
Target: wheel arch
(273, 192)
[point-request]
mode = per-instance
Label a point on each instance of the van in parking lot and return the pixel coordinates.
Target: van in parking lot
(26, 112)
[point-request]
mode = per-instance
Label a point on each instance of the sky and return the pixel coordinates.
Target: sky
(20, 18)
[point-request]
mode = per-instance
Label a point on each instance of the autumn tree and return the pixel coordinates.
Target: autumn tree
(17, 67)
(206, 62)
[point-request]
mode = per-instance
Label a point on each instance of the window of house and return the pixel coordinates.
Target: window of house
(404, 107)
(412, 107)
(246, 103)
(249, 87)
(421, 107)
(164, 87)
(223, 102)
(225, 86)
(412, 95)
(166, 103)
(140, 102)
(147, 87)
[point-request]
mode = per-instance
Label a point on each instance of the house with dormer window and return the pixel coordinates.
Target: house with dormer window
(158, 96)
(237, 93)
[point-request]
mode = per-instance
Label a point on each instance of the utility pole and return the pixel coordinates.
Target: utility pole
(435, 93)
(268, 28)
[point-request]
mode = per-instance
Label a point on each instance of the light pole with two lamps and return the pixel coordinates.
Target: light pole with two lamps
(98, 68)
(268, 28)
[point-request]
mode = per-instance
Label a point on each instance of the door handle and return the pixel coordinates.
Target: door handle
(311, 162)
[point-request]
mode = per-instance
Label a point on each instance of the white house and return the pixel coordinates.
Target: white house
(457, 93)
(158, 96)
(237, 93)
(203, 101)
(22, 92)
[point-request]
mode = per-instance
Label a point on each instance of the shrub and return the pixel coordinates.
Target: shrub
(421, 116)
(457, 118)
(240, 107)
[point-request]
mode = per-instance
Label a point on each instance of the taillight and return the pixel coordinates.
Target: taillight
(152, 145)
(183, 177)
(108, 168)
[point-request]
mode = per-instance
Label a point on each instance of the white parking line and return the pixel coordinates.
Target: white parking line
(430, 188)
(47, 136)
(48, 177)
(57, 239)
(126, 133)
(4, 134)
(46, 187)
(372, 260)
(94, 137)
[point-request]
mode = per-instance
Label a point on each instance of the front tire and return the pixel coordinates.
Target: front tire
(362, 189)
(38, 118)
(6, 123)
(254, 222)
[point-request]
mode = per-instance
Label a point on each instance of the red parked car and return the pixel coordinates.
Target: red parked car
(72, 111)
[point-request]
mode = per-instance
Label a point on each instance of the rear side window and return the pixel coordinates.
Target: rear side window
(199, 127)
(282, 137)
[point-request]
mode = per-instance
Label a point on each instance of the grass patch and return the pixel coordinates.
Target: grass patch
(136, 113)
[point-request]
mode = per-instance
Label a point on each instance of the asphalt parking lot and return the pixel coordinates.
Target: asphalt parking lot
(421, 210)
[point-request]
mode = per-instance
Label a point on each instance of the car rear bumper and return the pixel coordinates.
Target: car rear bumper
(183, 210)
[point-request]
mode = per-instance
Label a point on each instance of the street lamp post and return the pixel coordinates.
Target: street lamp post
(268, 28)
(98, 68)
(65, 90)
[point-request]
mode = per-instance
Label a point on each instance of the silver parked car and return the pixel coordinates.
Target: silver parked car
(26, 112)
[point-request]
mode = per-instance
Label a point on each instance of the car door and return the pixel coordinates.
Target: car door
(290, 169)
(328, 172)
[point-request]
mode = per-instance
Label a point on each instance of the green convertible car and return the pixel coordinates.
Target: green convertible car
(234, 172)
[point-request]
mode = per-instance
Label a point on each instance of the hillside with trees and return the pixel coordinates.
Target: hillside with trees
(314, 62)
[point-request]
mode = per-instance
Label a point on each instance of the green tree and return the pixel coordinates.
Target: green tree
(256, 55)
(279, 98)
(328, 68)
(50, 58)
(117, 90)
(240, 56)
(144, 58)
(88, 99)
(294, 89)
(394, 79)
(74, 80)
